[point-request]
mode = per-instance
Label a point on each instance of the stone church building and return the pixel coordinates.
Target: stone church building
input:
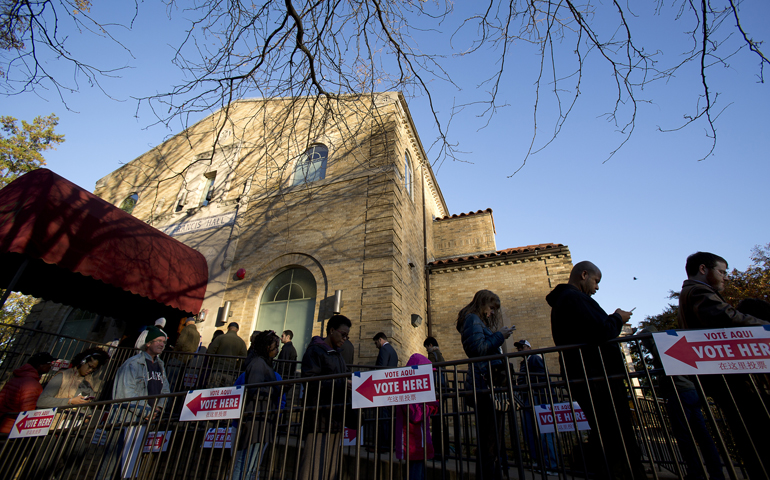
(293, 199)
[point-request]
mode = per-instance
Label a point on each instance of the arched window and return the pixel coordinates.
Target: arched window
(408, 175)
(129, 203)
(288, 303)
(311, 166)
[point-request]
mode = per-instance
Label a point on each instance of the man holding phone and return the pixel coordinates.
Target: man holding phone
(576, 318)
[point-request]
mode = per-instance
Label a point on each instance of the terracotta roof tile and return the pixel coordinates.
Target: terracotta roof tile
(499, 253)
(459, 215)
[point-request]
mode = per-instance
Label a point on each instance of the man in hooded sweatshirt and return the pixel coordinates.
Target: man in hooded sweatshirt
(21, 392)
(576, 318)
(323, 440)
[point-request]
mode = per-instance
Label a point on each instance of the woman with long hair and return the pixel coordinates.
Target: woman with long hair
(479, 326)
(76, 385)
(255, 433)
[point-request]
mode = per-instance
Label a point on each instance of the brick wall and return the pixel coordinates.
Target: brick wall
(464, 235)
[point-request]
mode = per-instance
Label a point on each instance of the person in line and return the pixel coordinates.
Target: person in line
(348, 352)
(142, 375)
(684, 409)
(479, 324)
(76, 385)
(189, 338)
(576, 318)
(256, 435)
(701, 305)
(387, 356)
(225, 370)
(287, 368)
(434, 353)
(532, 371)
(320, 458)
(413, 429)
(160, 323)
(21, 392)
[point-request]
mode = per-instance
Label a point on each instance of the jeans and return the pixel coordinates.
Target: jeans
(690, 413)
(248, 458)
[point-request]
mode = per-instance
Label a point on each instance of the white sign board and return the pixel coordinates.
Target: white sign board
(212, 404)
(216, 437)
(397, 386)
(563, 415)
(718, 351)
(349, 436)
(60, 364)
(35, 423)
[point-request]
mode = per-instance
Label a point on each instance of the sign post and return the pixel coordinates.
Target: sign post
(212, 404)
(718, 351)
(396, 386)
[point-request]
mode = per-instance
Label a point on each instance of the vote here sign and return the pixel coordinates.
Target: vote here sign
(562, 415)
(212, 404)
(723, 350)
(35, 423)
(397, 386)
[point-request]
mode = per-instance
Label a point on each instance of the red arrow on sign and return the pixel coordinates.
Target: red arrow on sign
(225, 402)
(34, 422)
(717, 351)
(388, 386)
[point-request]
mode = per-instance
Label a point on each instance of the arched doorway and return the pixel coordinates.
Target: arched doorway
(288, 303)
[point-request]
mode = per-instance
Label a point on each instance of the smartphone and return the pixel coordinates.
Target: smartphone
(89, 398)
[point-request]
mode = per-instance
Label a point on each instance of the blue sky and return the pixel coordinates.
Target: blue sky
(637, 215)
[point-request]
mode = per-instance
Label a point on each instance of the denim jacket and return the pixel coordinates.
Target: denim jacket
(131, 381)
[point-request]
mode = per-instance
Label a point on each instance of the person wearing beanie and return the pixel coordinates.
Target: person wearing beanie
(160, 323)
(144, 374)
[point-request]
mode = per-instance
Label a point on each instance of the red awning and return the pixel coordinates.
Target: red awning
(86, 253)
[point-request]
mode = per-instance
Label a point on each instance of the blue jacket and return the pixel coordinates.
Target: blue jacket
(479, 341)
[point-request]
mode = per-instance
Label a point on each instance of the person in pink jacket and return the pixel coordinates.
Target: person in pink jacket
(21, 392)
(419, 442)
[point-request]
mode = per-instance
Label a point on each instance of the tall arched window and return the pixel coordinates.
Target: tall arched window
(407, 175)
(288, 303)
(129, 203)
(311, 166)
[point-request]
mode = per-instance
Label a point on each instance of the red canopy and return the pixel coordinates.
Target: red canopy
(86, 253)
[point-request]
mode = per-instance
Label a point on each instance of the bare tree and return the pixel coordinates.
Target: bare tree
(235, 49)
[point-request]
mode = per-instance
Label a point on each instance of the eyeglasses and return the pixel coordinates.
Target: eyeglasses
(344, 336)
(722, 273)
(159, 341)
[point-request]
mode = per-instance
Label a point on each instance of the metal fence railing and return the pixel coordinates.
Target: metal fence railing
(484, 424)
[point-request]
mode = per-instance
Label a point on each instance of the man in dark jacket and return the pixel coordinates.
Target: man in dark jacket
(576, 318)
(701, 305)
(387, 356)
(21, 392)
(287, 368)
(323, 440)
(226, 370)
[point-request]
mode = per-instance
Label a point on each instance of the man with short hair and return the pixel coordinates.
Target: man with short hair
(387, 356)
(701, 305)
(288, 367)
(577, 319)
(323, 429)
(226, 370)
(434, 354)
(21, 392)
